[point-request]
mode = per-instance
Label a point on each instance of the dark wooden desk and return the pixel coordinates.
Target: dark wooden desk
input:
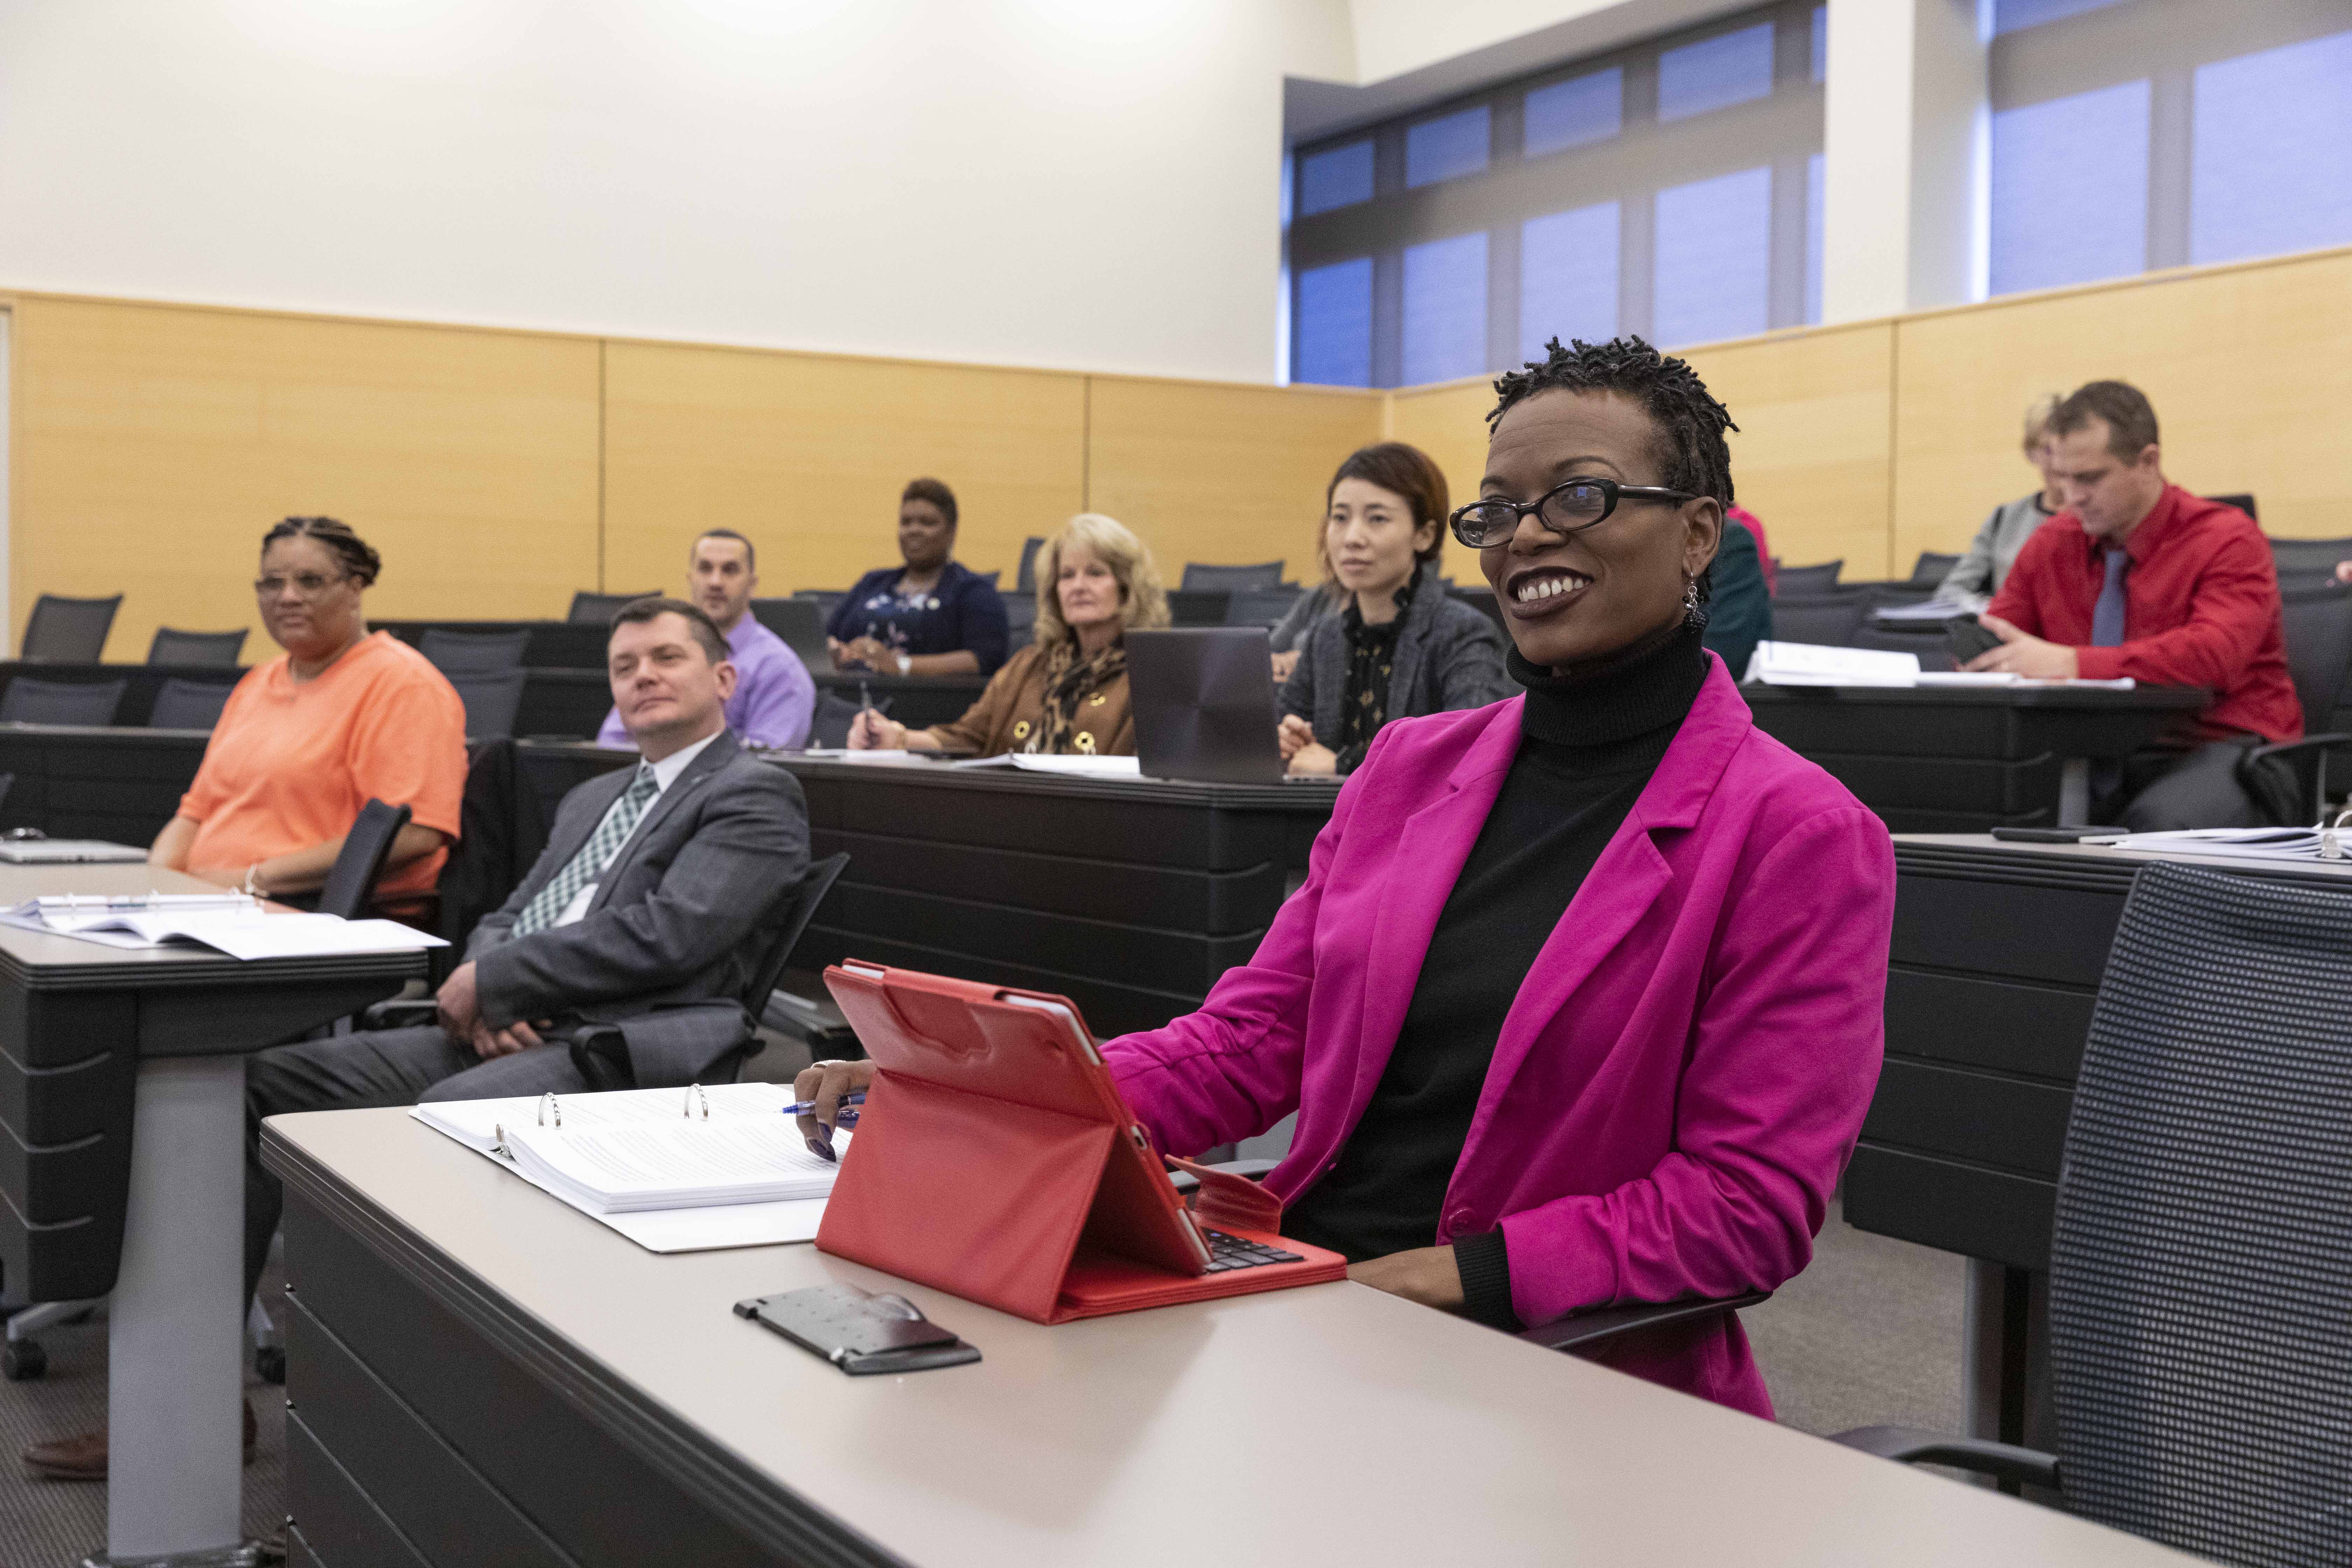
(118, 784)
(1965, 760)
(121, 1132)
(554, 644)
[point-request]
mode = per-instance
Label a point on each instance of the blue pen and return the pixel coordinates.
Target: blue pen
(821, 1144)
(808, 1107)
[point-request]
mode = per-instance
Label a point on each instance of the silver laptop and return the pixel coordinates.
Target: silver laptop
(1204, 700)
(67, 852)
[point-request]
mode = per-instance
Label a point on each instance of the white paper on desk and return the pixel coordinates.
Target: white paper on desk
(476, 1122)
(1966, 678)
(1812, 664)
(674, 1164)
(1932, 610)
(1081, 766)
(842, 754)
(2259, 843)
(306, 936)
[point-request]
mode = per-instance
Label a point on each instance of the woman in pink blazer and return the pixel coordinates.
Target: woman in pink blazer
(1581, 1003)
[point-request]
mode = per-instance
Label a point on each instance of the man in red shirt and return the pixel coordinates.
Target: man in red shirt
(2137, 577)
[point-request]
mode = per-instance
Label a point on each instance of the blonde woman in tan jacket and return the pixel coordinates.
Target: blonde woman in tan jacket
(1067, 691)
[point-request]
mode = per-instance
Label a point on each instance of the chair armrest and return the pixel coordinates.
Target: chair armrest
(401, 1013)
(1919, 1446)
(1572, 1333)
(2309, 742)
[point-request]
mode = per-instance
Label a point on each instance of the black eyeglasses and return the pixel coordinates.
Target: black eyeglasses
(1565, 507)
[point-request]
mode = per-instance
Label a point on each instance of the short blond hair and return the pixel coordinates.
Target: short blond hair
(2037, 419)
(1141, 600)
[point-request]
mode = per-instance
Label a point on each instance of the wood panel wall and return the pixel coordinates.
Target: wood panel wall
(498, 471)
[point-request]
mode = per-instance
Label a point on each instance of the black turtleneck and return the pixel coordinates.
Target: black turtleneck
(1588, 745)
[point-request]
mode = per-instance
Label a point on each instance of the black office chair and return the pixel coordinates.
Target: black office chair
(30, 702)
(1233, 579)
(1829, 620)
(1025, 580)
(800, 624)
(351, 882)
(2309, 555)
(1799, 582)
(2318, 622)
(69, 631)
(2200, 1314)
(1262, 607)
(830, 719)
(451, 652)
(814, 884)
(825, 599)
(1928, 646)
(188, 704)
(492, 698)
(1932, 568)
(2243, 503)
(598, 609)
(1021, 618)
(172, 646)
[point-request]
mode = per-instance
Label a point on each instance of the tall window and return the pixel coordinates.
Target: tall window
(2132, 134)
(1671, 189)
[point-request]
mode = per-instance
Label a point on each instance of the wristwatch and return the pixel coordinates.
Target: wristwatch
(906, 663)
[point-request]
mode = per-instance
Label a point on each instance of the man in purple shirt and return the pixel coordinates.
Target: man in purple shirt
(773, 694)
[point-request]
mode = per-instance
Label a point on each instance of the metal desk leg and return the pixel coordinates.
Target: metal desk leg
(1993, 1352)
(175, 1368)
(2074, 792)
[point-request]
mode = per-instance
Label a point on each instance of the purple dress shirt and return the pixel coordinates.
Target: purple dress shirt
(773, 694)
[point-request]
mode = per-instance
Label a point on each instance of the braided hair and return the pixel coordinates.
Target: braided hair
(354, 554)
(1691, 452)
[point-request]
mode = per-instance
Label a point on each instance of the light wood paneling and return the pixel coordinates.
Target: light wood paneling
(1449, 423)
(156, 445)
(807, 455)
(1218, 473)
(2250, 369)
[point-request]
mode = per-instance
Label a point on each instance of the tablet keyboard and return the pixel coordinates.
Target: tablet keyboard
(1229, 1252)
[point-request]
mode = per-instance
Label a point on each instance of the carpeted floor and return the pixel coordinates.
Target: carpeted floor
(1871, 1332)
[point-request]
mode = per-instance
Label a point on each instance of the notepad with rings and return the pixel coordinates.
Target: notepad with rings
(673, 1170)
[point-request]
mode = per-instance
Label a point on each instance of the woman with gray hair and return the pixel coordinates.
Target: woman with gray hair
(1977, 578)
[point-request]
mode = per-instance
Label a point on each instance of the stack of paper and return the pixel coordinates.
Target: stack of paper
(2244, 843)
(1928, 610)
(1812, 664)
(232, 923)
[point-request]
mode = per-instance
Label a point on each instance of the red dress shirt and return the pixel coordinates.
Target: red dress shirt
(2200, 609)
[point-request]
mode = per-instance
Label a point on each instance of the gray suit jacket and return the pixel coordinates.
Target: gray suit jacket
(679, 917)
(1449, 655)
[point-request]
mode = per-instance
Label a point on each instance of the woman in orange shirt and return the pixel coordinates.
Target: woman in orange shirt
(307, 739)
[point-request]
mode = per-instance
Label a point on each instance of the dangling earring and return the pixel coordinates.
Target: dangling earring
(1690, 597)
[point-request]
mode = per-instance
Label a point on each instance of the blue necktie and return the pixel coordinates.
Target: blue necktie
(2107, 615)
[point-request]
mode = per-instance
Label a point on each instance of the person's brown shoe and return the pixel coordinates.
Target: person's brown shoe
(82, 1458)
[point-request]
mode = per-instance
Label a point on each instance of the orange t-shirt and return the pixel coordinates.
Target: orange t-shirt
(290, 764)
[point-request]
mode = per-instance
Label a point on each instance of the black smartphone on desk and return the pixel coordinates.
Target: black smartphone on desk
(1968, 638)
(2055, 835)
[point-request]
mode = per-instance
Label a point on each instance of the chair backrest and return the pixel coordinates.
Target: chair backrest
(351, 880)
(801, 908)
(2318, 623)
(800, 625)
(1829, 620)
(1932, 568)
(825, 599)
(188, 704)
(492, 698)
(30, 702)
(172, 646)
(1266, 575)
(1259, 606)
(2243, 503)
(2301, 555)
(1932, 651)
(450, 652)
(830, 721)
(597, 609)
(69, 631)
(1025, 580)
(2200, 1313)
(1800, 581)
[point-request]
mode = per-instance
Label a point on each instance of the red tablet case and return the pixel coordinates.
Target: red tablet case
(995, 1159)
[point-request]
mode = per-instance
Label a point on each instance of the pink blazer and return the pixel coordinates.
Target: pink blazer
(1681, 1077)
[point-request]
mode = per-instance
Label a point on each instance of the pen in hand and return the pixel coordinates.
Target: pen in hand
(821, 1145)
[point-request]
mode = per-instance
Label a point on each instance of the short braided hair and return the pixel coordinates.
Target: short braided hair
(1692, 453)
(354, 554)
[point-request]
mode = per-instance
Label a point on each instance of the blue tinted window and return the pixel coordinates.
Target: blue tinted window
(2070, 189)
(1568, 277)
(1335, 324)
(2013, 15)
(1820, 43)
(1446, 308)
(2270, 161)
(1815, 172)
(1573, 112)
(1715, 73)
(1713, 259)
(1448, 147)
(1337, 177)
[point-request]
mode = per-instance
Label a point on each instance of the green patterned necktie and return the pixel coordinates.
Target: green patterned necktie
(595, 855)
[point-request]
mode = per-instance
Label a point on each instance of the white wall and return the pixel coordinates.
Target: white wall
(1086, 183)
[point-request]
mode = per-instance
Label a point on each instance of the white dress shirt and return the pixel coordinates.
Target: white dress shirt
(665, 774)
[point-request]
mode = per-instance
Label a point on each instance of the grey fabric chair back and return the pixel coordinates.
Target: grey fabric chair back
(1932, 567)
(352, 879)
(1800, 581)
(1021, 617)
(1259, 606)
(2318, 623)
(1025, 580)
(1235, 579)
(492, 698)
(188, 704)
(450, 652)
(2242, 502)
(1831, 620)
(69, 631)
(814, 884)
(2200, 1270)
(827, 600)
(1930, 648)
(598, 609)
(2309, 555)
(800, 624)
(172, 646)
(30, 702)
(829, 723)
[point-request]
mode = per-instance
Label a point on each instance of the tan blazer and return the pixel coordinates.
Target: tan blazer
(1008, 712)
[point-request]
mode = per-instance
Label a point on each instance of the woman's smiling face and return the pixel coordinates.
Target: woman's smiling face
(1570, 599)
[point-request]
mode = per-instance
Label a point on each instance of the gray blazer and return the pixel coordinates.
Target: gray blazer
(1449, 655)
(1977, 576)
(679, 917)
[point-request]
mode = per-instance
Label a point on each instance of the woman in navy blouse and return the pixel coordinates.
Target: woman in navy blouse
(930, 616)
